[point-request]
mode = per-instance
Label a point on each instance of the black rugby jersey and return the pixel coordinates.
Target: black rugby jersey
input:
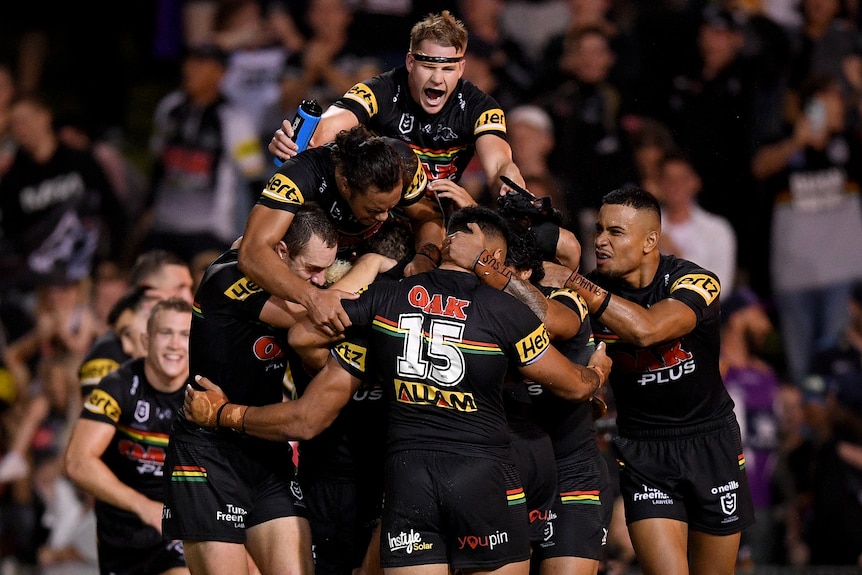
(441, 343)
(353, 445)
(676, 383)
(310, 177)
(104, 356)
(446, 141)
(142, 417)
(569, 424)
(228, 342)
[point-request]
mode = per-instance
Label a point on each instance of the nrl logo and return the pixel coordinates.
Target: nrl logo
(142, 411)
(406, 124)
(728, 503)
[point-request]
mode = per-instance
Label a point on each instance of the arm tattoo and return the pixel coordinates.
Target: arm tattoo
(527, 293)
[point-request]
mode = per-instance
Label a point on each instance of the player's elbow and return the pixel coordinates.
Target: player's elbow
(305, 425)
(643, 335)
(74, 467)
(245, 256)
(581, 392)
(576, 393)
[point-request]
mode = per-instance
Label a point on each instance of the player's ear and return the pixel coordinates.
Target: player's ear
(651, 241)
(281, 250)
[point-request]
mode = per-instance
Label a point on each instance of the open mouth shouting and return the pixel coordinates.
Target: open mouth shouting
(434, 98)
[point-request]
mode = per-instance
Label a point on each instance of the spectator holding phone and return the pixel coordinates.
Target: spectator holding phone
(812, 177)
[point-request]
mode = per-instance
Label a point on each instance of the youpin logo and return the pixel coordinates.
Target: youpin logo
(489, 541)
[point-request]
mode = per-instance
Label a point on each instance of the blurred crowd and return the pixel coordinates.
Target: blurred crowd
(743, 117)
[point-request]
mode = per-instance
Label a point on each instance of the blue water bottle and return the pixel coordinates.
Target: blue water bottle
(306, 120)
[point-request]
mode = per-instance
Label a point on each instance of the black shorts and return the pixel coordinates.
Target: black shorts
(696, 475)
(342, 518)
(533, 456)
(145, 561)
(581, 515)
(469, 512)
(216, 490)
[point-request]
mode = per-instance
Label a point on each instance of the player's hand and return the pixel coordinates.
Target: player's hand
(202, 407)
(152, 514)
(555, 274)
(513, 187)
(448, 189)
(282, 146)
(417, 265)
(326, 312)
(463, 248)
(600, 359)
(599, 407)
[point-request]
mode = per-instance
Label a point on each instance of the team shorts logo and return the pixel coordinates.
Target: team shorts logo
(704, 285)
(234, 514)
(487, 541)
(728, 503)
(548, 532)
(405, 126)
(296, 490)
(653, 495)
(142, 411)
(407, 542)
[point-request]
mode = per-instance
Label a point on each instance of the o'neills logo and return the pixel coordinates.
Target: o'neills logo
(728, 497)
(408, 542)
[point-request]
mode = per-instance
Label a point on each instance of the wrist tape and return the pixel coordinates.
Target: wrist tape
(231, 416)
(430, 251)
(491, 272)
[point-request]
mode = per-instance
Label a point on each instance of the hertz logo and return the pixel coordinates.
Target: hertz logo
(706, 286)
(422, 394)
(241, 289)
(363, 95)
(533, 345)
(418, 185)
(94, 370)
(491, 120)
(102, 403)
(580, 304)
(282, 189)
(352, 354)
